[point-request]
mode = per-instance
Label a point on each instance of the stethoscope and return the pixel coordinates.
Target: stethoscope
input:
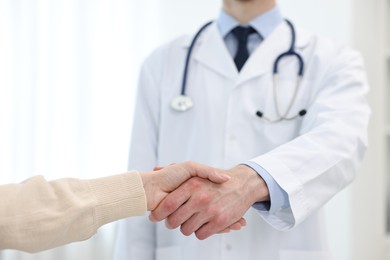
(183, 102)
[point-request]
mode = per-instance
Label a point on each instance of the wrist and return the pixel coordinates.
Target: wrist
(150, 188)
(252, 183)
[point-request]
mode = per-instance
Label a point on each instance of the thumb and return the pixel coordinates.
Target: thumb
(157, 168)
(217, 177)
(206, 172)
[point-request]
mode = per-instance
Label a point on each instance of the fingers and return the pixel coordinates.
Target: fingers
(206, 172)
(242, 222)
(170, 204)
(235, 226)
(214, 227)
(192, 224)
(170, 177)
(238, 225)
(183, 215)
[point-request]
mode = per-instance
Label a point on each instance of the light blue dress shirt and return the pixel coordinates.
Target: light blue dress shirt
(264, 26)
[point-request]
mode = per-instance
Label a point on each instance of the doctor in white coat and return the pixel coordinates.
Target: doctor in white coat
(282, 172)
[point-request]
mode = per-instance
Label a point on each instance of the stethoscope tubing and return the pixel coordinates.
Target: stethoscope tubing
(184, 99)
(187, 62)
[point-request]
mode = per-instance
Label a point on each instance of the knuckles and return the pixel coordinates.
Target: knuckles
(202, 199)
(220, 221)
(170, 206)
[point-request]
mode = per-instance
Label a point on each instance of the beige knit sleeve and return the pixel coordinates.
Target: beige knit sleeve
(118, 197)
(37, 214)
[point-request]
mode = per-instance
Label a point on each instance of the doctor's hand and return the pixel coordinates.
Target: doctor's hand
(159, 183)
(207, 208)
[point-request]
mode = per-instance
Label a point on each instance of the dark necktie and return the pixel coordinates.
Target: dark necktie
(241, 33)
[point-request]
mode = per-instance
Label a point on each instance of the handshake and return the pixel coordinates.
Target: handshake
(40, 214)
(202, 199)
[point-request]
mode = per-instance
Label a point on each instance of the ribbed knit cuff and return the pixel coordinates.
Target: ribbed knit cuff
(118, 197)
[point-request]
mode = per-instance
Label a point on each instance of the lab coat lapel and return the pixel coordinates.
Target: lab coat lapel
(211, 51)
(263, 58)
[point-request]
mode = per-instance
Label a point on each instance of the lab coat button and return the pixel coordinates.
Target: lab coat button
(228, 247)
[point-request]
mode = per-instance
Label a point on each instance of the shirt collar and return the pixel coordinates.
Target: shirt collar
(264, 24)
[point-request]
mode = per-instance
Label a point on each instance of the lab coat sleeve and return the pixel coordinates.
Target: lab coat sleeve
(325, 156)
(37, 214)
(278, 197)
(136, 236)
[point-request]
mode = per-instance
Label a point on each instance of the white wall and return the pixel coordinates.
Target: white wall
(368, 204)
(331, 18)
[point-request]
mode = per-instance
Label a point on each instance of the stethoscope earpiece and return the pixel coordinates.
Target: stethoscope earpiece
(261, 115)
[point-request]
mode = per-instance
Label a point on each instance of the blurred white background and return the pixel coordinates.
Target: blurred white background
(68, 73)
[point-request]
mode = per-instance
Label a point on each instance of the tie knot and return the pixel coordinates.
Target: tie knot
(241, 33)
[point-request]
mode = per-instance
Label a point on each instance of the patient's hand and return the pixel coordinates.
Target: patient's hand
(160, 183)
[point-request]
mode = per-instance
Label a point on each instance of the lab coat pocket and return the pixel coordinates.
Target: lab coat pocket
(288, 127)
(304, 255)
(282, 132)
(168, 253)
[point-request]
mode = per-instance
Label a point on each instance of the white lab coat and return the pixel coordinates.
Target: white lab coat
(311, 158)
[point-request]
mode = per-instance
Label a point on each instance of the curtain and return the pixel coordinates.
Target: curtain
(68, 73)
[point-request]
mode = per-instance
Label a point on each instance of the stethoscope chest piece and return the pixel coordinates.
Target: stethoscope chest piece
(182, 103)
